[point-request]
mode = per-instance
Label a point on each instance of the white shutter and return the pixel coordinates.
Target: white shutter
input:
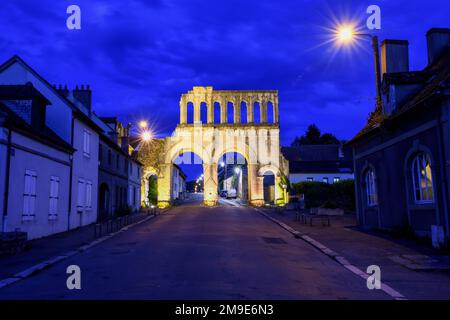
(54, 196)
(29, 195)
(81, 194)
(89, 194)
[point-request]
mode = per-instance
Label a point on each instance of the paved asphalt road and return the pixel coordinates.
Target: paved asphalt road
(193, 252)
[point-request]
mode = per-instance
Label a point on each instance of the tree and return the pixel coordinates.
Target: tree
(314, 136)
(328, 138)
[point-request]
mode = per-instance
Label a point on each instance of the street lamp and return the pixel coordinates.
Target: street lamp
(237, 170)
(345, 34)
(143, 124)
(146, 135)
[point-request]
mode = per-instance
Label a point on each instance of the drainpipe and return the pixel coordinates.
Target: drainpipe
(70, 177)
(8, 168)
(444, 176)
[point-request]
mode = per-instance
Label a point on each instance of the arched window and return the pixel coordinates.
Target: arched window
(371, 188)
(422, 177)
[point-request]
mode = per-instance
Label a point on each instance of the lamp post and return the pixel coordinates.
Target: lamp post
(346, 34)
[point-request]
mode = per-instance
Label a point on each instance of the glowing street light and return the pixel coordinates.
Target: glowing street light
(146, 135)
(222, 164)
(237, 170)
(143, 124)
(346, 34)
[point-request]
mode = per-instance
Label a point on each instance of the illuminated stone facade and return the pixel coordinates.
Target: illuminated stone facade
(258, 142)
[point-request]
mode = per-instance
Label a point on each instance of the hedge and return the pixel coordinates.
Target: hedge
(319, 194)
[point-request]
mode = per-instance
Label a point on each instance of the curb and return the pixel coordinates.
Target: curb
(333, 255)
(50, 262)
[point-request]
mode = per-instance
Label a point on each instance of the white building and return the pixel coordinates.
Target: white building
(70, 120)
(34, 166)
(319, 163)
(179, 183)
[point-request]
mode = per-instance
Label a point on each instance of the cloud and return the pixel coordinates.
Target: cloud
(140, 56)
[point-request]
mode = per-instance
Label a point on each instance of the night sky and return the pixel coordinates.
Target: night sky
(139, 56)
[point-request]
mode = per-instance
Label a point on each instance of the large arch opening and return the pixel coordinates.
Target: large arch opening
(190, 112)
(217, 115)
(232, 177)
(151, 190)
(269, 187)
(203, 112)
(187, 178)
(256, 113)
(270, 113)
(230, 112)
(244, 112)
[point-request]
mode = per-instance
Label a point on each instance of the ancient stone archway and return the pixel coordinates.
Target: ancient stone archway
(259, 143)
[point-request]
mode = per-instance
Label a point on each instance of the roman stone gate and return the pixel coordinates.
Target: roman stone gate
(257, 140)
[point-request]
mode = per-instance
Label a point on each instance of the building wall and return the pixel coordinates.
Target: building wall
(134, 185)
(113, 174)
(318, 177)
(3, 153)
(388, 154)
(85, 169)
(45, 168)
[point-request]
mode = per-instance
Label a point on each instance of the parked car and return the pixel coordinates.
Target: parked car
(231, 194)
(223, 193)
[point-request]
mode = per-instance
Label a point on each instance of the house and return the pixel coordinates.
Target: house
(69, 117)
(179, 183)
(35, 165)
(402, 155)
(119, 170)
(328, 163)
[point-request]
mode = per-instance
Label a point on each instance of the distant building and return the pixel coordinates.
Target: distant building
(402, 155)
(320, 163)
(35, 165)
(69, 116)
(179, 183)
(119, 170)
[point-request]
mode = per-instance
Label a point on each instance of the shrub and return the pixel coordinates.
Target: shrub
(337, 195)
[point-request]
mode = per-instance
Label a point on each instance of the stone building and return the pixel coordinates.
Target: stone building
(402, 155)
(223, 121)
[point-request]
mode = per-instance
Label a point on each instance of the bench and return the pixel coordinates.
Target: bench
(304, 218)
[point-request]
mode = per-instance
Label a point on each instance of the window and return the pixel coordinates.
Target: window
(109, 157)
(325, 180)
(336, 179)
(29, 195)
(88, 194)
(117, 161)
(131, 169)
(310, 179)
(54, 196)
(86, 143)
(371, 189)
(422, 179)
(81, 195)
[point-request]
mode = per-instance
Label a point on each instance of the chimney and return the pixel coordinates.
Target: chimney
(83, 95)
(438, 40)
(394, 56)
(62, 90)
(125, 138)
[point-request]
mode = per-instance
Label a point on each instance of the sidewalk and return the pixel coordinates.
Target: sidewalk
(417, 271)
(49, 247)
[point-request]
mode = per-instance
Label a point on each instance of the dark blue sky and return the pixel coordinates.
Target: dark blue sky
(139, 56)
